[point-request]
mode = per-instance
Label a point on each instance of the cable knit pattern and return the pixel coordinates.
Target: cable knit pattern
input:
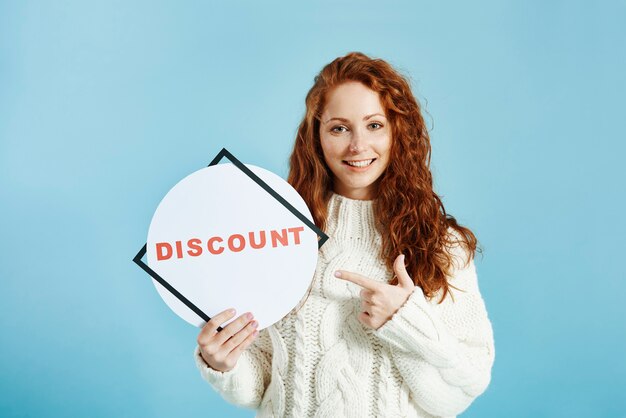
(428, 360)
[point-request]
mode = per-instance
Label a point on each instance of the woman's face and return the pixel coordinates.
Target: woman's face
(355, 139)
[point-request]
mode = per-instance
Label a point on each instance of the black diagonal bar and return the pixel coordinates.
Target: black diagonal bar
(224, 153)
(166, 285)
(218, 157)
(138, 259)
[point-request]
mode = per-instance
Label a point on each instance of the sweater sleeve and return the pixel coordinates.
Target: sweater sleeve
(444, 352)
(245, 384)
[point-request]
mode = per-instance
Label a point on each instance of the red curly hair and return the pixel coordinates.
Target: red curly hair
(410, 216)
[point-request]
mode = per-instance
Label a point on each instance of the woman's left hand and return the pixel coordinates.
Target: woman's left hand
(380, 301)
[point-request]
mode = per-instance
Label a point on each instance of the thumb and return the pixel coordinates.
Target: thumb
(404, 280)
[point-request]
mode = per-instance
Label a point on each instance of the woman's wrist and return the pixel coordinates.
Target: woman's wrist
(209, 365)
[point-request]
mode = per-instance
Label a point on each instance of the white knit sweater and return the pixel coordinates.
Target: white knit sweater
(428, 360)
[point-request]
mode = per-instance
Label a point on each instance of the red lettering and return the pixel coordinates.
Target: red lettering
(160, 246)
(195, 248)
(212, 249)
(235, 243)
(253, 244)
(242, 243)
(296, 233)
(283, 238)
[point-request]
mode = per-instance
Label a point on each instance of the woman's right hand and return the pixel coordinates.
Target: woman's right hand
(221, 350)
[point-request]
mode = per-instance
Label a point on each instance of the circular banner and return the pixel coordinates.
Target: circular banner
(223, 241)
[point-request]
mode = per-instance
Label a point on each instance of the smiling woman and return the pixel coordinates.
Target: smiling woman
(378, 334)
(355, 139)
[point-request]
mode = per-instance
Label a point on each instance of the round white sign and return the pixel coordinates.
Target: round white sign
(223, 241)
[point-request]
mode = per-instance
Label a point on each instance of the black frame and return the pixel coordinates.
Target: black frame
(224, 153)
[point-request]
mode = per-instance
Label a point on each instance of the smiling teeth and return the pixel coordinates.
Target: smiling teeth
(360, 163)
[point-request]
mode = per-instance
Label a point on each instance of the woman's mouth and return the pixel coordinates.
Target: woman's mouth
(359, 163)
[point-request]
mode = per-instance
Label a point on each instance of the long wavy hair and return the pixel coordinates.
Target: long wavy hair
(410, 216)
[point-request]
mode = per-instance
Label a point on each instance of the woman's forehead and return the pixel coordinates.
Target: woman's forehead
(352, 101)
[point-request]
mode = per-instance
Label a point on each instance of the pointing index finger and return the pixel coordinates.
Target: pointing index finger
(358, 279)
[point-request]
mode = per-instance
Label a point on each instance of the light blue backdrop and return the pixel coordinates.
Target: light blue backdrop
(105, 105)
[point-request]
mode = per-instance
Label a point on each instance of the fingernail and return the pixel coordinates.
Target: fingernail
(249, 315)
(337, 273)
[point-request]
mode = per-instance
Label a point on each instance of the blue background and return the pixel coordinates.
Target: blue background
(105, 105)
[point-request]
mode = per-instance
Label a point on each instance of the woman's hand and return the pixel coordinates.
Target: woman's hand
(380, 301)
(221, 350)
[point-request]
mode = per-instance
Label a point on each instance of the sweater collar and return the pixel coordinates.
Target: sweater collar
(351, 218)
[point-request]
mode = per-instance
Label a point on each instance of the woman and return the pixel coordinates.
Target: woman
(394, 323)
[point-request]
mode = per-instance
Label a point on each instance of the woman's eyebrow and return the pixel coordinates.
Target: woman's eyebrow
(364, 118)
(372, 115)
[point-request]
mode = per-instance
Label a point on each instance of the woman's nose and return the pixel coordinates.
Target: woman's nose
(357, 143)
